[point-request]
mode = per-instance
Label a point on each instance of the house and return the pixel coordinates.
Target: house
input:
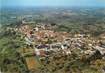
(79, 35)
(102, 36)
(101, 49)
(41, 50)
(103, 70)
(36, 29)
(67, 51)
(28, 41)
(89, 52)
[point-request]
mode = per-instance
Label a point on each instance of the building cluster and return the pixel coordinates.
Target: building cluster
(46, 42)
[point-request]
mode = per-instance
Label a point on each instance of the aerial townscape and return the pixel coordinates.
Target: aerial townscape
(46, 45)
(40, 48)
(52, 39)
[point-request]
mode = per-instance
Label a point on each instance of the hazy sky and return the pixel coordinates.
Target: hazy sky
(52, 2)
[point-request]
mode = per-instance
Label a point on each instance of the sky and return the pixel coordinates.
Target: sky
(9, 3)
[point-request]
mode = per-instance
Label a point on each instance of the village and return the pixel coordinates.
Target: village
(52, 36)
(43, 43)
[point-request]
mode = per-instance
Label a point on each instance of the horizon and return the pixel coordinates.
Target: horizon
(52, 3)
